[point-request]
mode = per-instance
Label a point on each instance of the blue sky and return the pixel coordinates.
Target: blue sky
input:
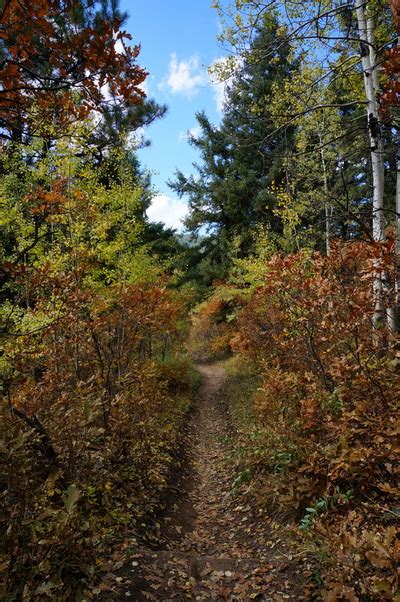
(179, 42)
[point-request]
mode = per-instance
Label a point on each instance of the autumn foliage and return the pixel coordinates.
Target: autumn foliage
(212, 329)
(61, 59)
(322, 446)
(91, 330)
(88, 426)
(395, 8)
(95, 379)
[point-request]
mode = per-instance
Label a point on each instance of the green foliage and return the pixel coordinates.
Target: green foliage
(95, 384)
(324, 504)
(241, 157)
(243, 477)
(94, 388)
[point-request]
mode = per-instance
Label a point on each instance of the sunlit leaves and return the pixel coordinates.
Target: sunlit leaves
(62, 63)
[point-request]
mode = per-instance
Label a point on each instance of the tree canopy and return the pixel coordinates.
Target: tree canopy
(286, 282)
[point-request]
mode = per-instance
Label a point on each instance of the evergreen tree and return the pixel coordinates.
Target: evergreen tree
(230, 194)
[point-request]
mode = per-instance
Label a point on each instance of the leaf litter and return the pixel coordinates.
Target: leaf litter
(209, 544)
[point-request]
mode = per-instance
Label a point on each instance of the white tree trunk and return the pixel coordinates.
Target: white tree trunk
(369, 64)
(387, 286)
(327, 206)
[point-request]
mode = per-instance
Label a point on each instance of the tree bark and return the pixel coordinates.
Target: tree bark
(397, 244)
(327, 206)
(46, 444)
(369, 64)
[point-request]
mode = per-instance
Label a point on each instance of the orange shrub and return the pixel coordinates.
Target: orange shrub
(327, 407)
(214, 323)
(89, 424)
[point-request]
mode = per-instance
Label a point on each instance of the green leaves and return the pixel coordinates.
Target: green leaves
(242, 156)
(71, 497)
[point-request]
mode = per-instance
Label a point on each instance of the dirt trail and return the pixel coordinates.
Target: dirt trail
(212, 545)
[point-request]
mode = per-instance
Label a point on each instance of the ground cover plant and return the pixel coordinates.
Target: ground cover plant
(270, 468)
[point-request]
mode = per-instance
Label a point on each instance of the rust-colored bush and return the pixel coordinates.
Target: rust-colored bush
(88, 427)
(326, 411)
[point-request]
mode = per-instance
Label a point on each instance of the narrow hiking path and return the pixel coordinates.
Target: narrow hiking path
(212, 545)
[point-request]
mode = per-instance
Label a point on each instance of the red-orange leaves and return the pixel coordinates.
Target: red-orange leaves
(326, 409)
(47, 203)
(89, 415)
(395, 7)
(52, 48)
(308, 329)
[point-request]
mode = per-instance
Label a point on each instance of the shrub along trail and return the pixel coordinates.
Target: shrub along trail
(213, 545)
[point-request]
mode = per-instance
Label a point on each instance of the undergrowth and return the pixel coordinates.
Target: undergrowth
(314, 398)
(91, 414)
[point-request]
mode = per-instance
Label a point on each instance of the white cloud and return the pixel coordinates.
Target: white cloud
(185, 77)
(137, 137)
(220, 95)
(167, 210)
(195, 131)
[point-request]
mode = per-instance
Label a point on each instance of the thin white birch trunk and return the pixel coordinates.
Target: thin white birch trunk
(387, 290)
(369, 64)
(328, 208)
(327, 205)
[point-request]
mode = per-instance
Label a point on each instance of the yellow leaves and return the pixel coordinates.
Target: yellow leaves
(291, 209)
(238, 20)
(223, 69)
(383, 586)
(50, 484)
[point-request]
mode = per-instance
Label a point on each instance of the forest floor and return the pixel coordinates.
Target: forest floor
(210, 544)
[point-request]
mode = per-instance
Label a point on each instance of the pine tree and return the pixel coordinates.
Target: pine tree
(230, 194)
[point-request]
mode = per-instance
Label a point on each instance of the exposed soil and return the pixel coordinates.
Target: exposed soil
(211, 544)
